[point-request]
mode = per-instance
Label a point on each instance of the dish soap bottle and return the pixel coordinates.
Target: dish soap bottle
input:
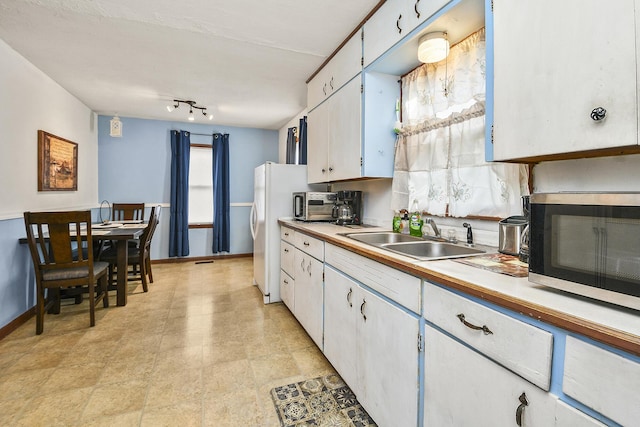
(416, 221)
(404, 222)
(396, 221)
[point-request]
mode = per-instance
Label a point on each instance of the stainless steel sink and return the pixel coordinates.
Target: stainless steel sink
(382, 238)
(432, 250)
(415, 247)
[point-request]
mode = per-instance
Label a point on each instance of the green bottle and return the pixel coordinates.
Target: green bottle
(397, 220)
(416, 221)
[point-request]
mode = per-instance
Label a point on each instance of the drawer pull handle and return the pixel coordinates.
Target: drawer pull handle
(306, 243)
(398, 24)
(286, 250)
(349, 297)
(482, 328)
(523, 404)
(286, 234)
(286, 282)
(364, 316)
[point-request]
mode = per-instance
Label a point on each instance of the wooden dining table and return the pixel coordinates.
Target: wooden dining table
(120, 234)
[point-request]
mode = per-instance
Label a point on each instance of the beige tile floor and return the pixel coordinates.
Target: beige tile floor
(199, 349)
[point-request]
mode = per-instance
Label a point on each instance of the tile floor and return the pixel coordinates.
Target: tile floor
(199, 349)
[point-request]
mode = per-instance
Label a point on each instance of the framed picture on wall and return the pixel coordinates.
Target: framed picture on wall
(57, 163)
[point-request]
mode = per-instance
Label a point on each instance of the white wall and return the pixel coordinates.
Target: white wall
(618, 173)
(31, 101)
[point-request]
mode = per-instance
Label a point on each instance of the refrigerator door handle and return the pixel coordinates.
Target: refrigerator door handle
(253, 221)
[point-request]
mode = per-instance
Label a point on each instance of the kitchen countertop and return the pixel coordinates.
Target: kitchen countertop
(612, 325)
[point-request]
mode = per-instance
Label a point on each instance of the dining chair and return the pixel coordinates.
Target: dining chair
(62, 252)
(127, 212)
(138, 256)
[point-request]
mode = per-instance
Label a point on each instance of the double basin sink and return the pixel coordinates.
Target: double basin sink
(415, 247)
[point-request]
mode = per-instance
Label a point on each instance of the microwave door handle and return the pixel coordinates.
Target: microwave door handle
(598, 256)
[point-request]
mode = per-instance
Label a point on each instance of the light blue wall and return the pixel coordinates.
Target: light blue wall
(137, 167)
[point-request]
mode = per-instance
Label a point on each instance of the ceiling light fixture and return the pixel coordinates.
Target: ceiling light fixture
(433, 47)
(192, 105)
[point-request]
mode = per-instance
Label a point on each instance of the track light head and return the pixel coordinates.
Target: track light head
(192, 105)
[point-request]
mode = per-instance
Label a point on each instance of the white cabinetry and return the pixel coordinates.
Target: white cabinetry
(463, 388)
(372, 342)
(308, 293)
(393, 21)
(550, 76)
(287, 270)
(602, 380)
(345, 65)
(334, 136)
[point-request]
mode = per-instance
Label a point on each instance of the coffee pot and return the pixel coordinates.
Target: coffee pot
(523, 254)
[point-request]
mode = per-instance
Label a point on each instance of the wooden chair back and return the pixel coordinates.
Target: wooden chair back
(147, 234)
(127, 212)
(62, 253)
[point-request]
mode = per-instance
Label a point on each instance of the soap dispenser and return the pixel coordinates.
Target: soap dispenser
(416, 222)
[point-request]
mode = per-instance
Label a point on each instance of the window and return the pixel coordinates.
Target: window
(200, 182)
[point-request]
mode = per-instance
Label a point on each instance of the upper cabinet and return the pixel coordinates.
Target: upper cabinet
(393, 21)
(565, 79)
(345, 65)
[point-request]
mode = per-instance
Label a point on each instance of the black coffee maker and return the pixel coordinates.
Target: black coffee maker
(348, 208)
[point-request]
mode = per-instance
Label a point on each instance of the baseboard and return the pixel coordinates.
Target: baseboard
(17, 322)
(199, 258)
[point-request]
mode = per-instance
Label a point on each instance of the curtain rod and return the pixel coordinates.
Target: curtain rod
(201, 134)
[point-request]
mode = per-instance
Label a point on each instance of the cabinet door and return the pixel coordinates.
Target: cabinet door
(345, 143)
(340, 314)
(463, 388)
(554, 63)
(388, 361)
(287, 286)
(308, 294)
(318, 144)
(383, 30)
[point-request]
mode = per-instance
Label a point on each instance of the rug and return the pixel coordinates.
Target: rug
(323, 402)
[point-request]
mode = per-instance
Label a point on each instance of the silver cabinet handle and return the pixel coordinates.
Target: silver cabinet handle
(520, 410)
(398, 24)
(598, 114)
(482, 328)
(364, 316)
(349, 297)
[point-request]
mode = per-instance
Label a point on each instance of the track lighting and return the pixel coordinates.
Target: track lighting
(192, 105)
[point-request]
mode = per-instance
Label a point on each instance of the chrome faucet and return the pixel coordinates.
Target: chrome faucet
(433, 225)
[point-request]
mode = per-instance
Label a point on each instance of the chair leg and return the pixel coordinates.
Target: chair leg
(143, 277)
(92, 304)
(40, 312)
(148, 262)
(104, 290)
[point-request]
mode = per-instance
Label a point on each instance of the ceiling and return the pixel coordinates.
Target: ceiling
(247, 61)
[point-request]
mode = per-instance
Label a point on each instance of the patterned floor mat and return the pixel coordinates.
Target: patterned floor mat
(325, 401)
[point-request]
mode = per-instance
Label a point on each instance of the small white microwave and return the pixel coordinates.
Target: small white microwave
(587, 244)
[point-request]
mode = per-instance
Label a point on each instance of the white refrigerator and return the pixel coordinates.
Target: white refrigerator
(273, 186)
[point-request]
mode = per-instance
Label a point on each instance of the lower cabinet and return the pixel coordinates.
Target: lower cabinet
(464, 388)
(308, 294)
(373, 344)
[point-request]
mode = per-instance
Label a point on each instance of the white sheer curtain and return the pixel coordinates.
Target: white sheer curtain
(440, 148)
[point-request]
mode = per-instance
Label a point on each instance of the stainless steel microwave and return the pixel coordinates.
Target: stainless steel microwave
(314, 205)
(587, 244)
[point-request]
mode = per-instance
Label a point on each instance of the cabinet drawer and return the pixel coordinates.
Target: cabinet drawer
(602, 380)
(286, 258)
(288, 235)
(397, 285)
(569, 416)
(310, 245)
(287, 287)
(522, 348)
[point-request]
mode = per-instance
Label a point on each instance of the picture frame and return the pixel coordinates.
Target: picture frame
(57, 163)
